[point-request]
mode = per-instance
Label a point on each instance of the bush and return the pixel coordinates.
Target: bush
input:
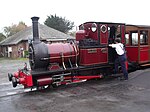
(26, 54)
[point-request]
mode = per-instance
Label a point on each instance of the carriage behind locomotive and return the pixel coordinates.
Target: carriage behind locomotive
(138, 45)
(86, 57)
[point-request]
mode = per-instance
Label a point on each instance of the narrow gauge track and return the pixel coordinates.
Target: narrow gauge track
(6, 90)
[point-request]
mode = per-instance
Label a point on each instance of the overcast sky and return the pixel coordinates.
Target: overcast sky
(77, 11)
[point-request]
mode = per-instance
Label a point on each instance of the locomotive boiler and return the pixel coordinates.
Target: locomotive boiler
(42, 56)
(87, 57)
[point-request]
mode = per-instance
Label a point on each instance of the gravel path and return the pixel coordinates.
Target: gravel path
(10, 66)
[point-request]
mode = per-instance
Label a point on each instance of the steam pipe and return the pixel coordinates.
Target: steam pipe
(35, 29)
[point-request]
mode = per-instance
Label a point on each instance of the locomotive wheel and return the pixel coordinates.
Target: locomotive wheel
(54, 85)
(10, 76)
(14, 81)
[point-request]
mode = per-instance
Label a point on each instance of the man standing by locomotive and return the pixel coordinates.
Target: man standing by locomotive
(121, 57)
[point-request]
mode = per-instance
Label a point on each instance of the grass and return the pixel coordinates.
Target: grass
(22, 59)
(3, 58)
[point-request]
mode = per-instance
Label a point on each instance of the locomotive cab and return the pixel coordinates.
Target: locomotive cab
(93, 39)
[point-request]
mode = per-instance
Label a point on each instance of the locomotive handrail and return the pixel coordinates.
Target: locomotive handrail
(99, 46)
(75, 48)
(62, 58)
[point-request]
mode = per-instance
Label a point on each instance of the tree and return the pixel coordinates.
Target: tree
(11, 30)
(2, 36)
(59, 23)
(72, 33)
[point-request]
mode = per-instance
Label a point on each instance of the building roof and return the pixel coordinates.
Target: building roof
(45, 33)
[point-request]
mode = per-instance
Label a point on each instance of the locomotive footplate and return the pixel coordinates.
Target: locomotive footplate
(74, 69)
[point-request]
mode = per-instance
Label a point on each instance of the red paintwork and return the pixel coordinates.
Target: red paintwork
(56, 51)
(93, 35)
(44, 81)
(144, 54)
(76, 79)
(104, 36)
(87, 32)
(24, 79)
(126, 63)
(16, 74)
(93, 56)
(123, 33)
(85, 77)
(80, 35)
(132, 54)
(29, 81)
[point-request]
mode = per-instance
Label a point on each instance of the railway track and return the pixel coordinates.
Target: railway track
(7, 90)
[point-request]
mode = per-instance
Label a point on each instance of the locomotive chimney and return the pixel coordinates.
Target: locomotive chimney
(35, 29)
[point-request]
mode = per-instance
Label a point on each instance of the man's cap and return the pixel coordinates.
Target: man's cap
(117, 40)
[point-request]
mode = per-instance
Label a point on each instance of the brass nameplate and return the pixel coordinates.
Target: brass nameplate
(92, 50)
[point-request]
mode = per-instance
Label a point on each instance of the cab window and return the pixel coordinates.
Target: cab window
(127, 39)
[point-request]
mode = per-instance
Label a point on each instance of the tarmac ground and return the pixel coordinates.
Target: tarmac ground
(103, 95)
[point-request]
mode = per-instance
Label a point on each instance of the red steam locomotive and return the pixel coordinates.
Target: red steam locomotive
(87, 57)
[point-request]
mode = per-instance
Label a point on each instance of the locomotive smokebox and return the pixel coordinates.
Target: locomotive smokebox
(37, 49)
